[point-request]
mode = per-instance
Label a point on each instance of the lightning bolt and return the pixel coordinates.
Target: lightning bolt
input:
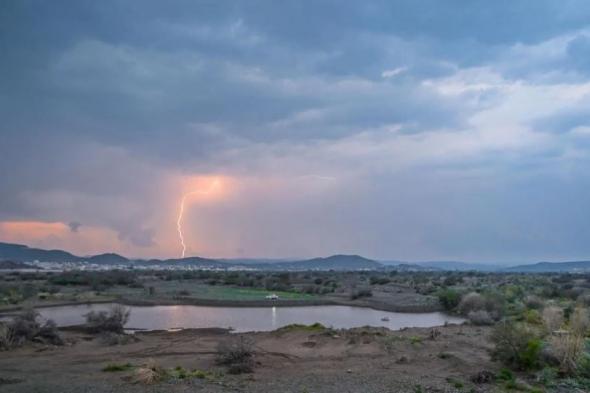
(179, 221)
(181, 212)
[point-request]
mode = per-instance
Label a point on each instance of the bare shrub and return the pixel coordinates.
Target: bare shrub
(569, 346)
(49, 333)
(6, 337)
(237, 354)
(471, 302)
(475, 302)
(111, 321)
(480, 318)
(552, 318)
(580, 321)
(149, 373)
(26, 327)
(568, 349)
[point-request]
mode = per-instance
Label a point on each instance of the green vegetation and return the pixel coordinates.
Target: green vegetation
(117, 367)
(316, 327)
(230, 293)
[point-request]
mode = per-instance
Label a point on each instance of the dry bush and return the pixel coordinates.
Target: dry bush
(237, 354)
(26, 327)
(112, 321)
(580, 321)
(49, 333)
(6, 337)
(569, 346)
(471, 302)
(480, 318)
(568, 349)
(475, 302)
(552, 318)
(149, 373)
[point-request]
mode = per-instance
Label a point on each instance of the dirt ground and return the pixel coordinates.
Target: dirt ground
(292, 360)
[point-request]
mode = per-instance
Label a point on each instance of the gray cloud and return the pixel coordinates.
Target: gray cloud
(104, 103)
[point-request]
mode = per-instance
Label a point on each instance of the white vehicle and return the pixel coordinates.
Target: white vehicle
(272, 296)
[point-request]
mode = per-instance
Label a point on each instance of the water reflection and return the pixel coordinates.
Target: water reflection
(274, 318)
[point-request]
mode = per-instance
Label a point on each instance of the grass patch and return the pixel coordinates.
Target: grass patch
(414, 340)
(181, 373)
(230, 293)
(117, 367)
(456, 383)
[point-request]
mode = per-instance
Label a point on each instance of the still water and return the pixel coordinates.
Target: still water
(243, 319)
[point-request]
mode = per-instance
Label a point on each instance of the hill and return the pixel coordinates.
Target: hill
(334, 262)
(22, 253)
(194, 262)
(552, 267)
(108, 259)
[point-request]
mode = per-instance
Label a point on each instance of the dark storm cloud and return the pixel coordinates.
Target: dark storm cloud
(101, 102)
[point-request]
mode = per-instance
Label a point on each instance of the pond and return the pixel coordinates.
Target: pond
(244, 319)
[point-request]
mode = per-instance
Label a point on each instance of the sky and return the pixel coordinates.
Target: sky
(401, 130)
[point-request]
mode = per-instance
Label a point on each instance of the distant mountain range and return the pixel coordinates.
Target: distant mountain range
(22, 253)
(552, 267)
(14, 255)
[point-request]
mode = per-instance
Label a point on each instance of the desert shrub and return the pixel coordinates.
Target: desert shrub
(471, 302)
(480, 318)
(26, 327)
(569, 346)
(580, 321)
(149, 373)
(552, 318)
(49, 333)
(237, 354)
(111, 321)
(6, 337)
(516, 345)
(449, 298)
